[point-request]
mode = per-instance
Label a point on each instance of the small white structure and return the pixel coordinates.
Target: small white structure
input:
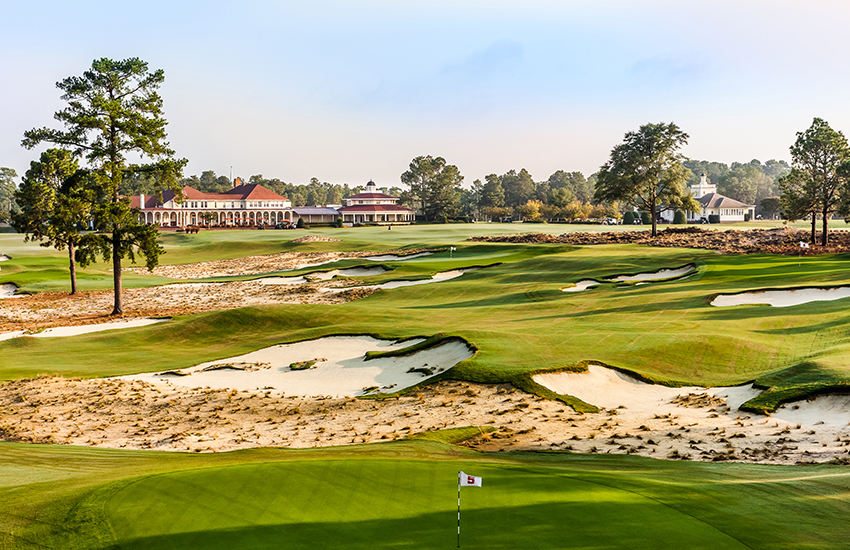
(714, 204)
(373, 207)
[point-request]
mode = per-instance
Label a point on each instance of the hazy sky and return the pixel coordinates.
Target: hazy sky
(351, 90)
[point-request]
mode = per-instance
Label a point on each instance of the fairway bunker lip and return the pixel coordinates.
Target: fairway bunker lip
(782, 297)
(324, 275)
(76, 330)
(582, 286)
(9, 290)
(665, 274)
(389, 285)
(327, 366)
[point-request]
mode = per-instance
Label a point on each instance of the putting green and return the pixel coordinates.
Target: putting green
(393, 504)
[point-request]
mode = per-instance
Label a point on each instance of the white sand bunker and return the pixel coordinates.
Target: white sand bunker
(383, 258)
(581, 285)
(81, 329)
(332, 366)
(655, 275)
(438, 278)
(323, 276)
(610, 389)
(4, 258)
(782, 298)
(7, 290)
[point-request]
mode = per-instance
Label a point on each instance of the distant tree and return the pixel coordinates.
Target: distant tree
(492, 194)
(574, 182)
(7, 192)
(770, 205)
(530, 210)
(561, 197)
(495, 212)
(113, 111)
(799, 198)
(679, 218)
(434, 186)
(628, 218)
(519, 187)
(818, 156)
(646, 171)
(54, 204)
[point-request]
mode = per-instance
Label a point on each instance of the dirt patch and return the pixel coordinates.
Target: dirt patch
(255, 265)
(315, 239)
(732, 241)
(52, 309)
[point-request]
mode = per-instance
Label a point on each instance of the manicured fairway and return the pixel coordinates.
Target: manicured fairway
(403, 495)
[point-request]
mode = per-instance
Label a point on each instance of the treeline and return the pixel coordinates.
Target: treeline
(7, 192)
(313, 193)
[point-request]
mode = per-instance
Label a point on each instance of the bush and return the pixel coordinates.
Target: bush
(300, 224)
(714, 218)
(629, 218)
(645, 219)
(746, 217)
(338, 222)
(679, 217)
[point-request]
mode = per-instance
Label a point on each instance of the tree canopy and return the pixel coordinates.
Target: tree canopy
(434, 186)
(646, 171)
(54, 203)
(113, 112)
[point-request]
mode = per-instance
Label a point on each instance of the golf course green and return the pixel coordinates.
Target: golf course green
(403, 494)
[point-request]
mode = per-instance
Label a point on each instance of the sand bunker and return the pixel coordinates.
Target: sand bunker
(56, 332)
(782, 298)
(581, 285)
(656, 275)
(323, 276)
(334, 366)
(438, 278)
(7, 290)
(4, 258)
(396, 257)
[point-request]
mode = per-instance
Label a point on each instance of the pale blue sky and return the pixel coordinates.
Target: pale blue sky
(351, 90)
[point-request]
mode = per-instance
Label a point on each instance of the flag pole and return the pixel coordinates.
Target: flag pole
(458, 509)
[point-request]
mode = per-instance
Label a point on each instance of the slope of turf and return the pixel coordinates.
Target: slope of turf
(403, 494)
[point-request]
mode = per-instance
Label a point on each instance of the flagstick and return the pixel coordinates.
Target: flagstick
(458, 509)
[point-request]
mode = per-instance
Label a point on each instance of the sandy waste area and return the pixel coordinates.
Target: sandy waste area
(76, 330)
(286, 261)
(54, 309)
(782, 298)
(636, 418)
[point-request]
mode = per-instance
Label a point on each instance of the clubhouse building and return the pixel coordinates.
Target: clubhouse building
(252, 204)
(371, 206)
(714, 204)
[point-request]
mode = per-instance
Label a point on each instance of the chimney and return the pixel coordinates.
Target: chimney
(142, 200)
(237, 182)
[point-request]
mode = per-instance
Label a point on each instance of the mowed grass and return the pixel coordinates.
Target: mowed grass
(403, 495)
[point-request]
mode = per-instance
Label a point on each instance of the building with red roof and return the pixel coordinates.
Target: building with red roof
(250, 204)
(373, 207)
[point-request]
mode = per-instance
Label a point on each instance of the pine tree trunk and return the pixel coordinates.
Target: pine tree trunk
(652, 213)
(73, 267)
(825, 237)
(814, 228)
(118, 309)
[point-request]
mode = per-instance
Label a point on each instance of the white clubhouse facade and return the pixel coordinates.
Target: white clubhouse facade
(714, 204)
(371, 206)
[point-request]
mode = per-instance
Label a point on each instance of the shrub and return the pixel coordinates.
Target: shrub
(645, 219)
(629, 218)
(679, 217)
(746, 217)
(714, 218)
(338, 222)
(300, 224)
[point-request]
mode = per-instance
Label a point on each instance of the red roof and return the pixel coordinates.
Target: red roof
(375, 208)
(371, 196)
(253, 191)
